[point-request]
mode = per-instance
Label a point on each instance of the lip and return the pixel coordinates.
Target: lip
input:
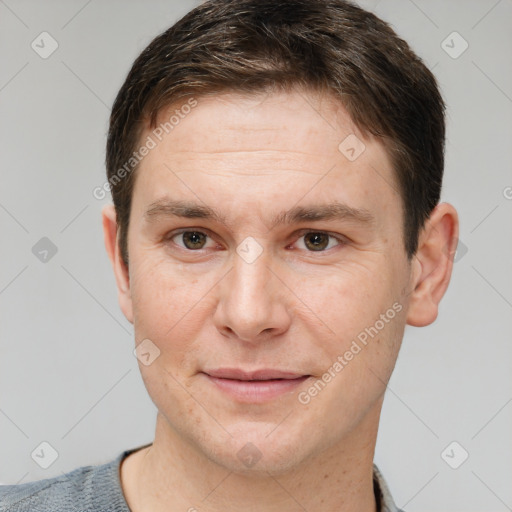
(254, 386)
(262, 374)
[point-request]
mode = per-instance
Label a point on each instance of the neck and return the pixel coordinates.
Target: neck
(172, 474)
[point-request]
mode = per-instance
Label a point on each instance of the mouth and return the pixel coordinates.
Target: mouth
(254, 386)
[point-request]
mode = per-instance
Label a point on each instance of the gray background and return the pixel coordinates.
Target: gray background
(67, 372)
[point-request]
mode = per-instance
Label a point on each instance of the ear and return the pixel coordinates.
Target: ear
(121, 272)
(433, 264)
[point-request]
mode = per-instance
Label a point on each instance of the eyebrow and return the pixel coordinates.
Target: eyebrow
(297, 214)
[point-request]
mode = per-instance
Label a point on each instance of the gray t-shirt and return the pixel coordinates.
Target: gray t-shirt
(98, 489)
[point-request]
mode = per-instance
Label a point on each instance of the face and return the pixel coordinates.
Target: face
(267, 269)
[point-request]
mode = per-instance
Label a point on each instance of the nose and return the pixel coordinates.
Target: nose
(254, 304)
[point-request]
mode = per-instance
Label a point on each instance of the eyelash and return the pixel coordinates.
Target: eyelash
(341, 241)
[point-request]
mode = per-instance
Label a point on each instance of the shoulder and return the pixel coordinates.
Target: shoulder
(87, 488)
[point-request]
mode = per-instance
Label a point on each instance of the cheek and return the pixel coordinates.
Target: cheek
(168, 304)
(346, 297)
(359, 310)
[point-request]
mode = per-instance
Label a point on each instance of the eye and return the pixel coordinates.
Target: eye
(191, 240)
(314, 241)
(318, 241)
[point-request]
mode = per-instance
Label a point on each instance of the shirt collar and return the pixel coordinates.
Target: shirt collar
(383, 496)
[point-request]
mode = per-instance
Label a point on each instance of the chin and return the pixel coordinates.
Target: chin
(259, 450)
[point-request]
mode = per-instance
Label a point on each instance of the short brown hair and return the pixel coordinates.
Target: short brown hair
(252, 46)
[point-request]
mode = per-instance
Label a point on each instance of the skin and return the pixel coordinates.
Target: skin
(293, 308)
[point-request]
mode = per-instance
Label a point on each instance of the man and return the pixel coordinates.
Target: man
(276, 170)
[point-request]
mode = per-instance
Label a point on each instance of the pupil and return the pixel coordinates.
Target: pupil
(319, 241)
(193, 238)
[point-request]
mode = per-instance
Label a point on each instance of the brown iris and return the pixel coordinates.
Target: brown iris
(316, 241)
(194, 239)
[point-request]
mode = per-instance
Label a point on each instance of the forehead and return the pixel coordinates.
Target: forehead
(294, 121)
(263, 149)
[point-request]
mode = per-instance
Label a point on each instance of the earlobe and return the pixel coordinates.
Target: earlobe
(121, 272)
(433, 264)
